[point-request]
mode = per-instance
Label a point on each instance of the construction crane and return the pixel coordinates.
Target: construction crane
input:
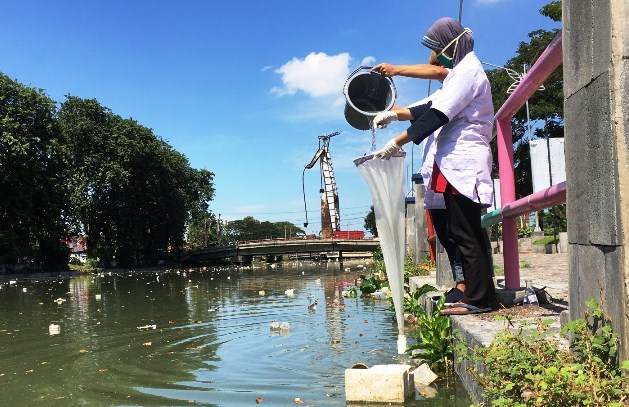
(330, 219)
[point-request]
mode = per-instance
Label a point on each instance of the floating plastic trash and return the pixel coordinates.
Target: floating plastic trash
(54, 329)
(386, 183)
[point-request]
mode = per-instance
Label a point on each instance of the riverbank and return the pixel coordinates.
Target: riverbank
(545, 270)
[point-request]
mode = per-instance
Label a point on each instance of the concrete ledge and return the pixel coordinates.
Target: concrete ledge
(474, 332)
(415, 282)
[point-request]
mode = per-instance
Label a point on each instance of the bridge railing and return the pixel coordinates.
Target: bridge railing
(550, 59)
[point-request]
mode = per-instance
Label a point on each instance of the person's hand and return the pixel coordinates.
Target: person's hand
(382, 119)
(384, 69)
(389, 150)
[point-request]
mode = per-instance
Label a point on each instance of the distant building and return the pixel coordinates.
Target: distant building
(78, 248)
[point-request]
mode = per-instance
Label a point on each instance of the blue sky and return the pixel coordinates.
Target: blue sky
(244, 88)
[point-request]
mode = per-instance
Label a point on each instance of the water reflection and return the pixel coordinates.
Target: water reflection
(191, 337)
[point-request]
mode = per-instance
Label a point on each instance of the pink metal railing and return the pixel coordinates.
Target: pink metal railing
(544, 66)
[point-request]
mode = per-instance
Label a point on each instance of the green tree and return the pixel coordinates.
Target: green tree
(203, 229)
(250, 228)
(545, 106)
(32, 182)
(370, 222)
(133, 195)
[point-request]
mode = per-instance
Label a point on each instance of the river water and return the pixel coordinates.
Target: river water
(193, 338)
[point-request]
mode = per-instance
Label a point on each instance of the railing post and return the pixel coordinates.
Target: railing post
(507, 195)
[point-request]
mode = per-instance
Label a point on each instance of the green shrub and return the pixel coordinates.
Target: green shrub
(546, 240)
(371, 284)
(524, 232)
(524, 368)
(433, 334)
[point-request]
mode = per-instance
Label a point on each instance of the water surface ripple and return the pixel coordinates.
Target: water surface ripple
(191, 337)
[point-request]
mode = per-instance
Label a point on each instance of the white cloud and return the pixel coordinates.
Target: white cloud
(368, 61)
(318, 74)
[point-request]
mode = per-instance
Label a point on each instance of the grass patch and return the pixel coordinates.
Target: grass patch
(546, 240)
(81, 268)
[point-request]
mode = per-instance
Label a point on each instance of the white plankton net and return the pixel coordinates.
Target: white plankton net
(386, 182)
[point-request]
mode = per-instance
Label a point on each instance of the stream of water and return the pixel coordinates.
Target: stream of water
(193, 338)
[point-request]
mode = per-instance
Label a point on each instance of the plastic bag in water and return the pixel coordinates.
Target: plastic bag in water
(386, 182)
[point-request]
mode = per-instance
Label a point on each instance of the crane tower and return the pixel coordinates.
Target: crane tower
(330, 219)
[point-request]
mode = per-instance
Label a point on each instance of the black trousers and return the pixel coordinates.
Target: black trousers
(466, 230)
(440, 224)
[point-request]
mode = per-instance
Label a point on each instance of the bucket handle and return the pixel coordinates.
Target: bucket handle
(360, 68)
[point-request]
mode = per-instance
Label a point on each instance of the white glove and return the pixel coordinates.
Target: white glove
(382, 119)
(389, 150)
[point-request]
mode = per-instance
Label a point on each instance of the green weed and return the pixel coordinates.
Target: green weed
(524, 368)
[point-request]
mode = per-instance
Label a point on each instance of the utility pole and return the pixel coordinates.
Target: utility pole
(205, 230)
(218, 229)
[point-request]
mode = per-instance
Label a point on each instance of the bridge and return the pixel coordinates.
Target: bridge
(245, 251)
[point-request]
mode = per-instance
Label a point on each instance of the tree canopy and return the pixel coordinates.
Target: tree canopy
(33, 199)
(545, 106)
(370, 222)
(250, 228)
(80, 169)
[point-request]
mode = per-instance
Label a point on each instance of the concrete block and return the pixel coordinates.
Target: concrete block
(563, 242)
(591, 168)
(601, 37)
(444, 269)
(564, 318)
(423, 375)
(595, 275)
(411, 231)
(601, 166)
(586, 265)
(576, 120)
(525, 244)
(380, 383)
(624, 96)
(417, 281)
(577, 46)
(539, 248)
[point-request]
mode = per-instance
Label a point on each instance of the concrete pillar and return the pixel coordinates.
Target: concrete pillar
(444, 270)
(421, 232)
(596, 92)
(411, 246)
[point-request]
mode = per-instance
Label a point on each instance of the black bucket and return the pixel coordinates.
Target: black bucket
(367, 94)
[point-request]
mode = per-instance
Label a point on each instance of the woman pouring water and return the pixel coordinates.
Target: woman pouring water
(463, 112)
(433, 202)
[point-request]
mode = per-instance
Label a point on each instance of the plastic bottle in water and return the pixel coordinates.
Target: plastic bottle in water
(529, 294)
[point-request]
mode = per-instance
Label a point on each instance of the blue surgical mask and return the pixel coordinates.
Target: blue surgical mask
(445, 60)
